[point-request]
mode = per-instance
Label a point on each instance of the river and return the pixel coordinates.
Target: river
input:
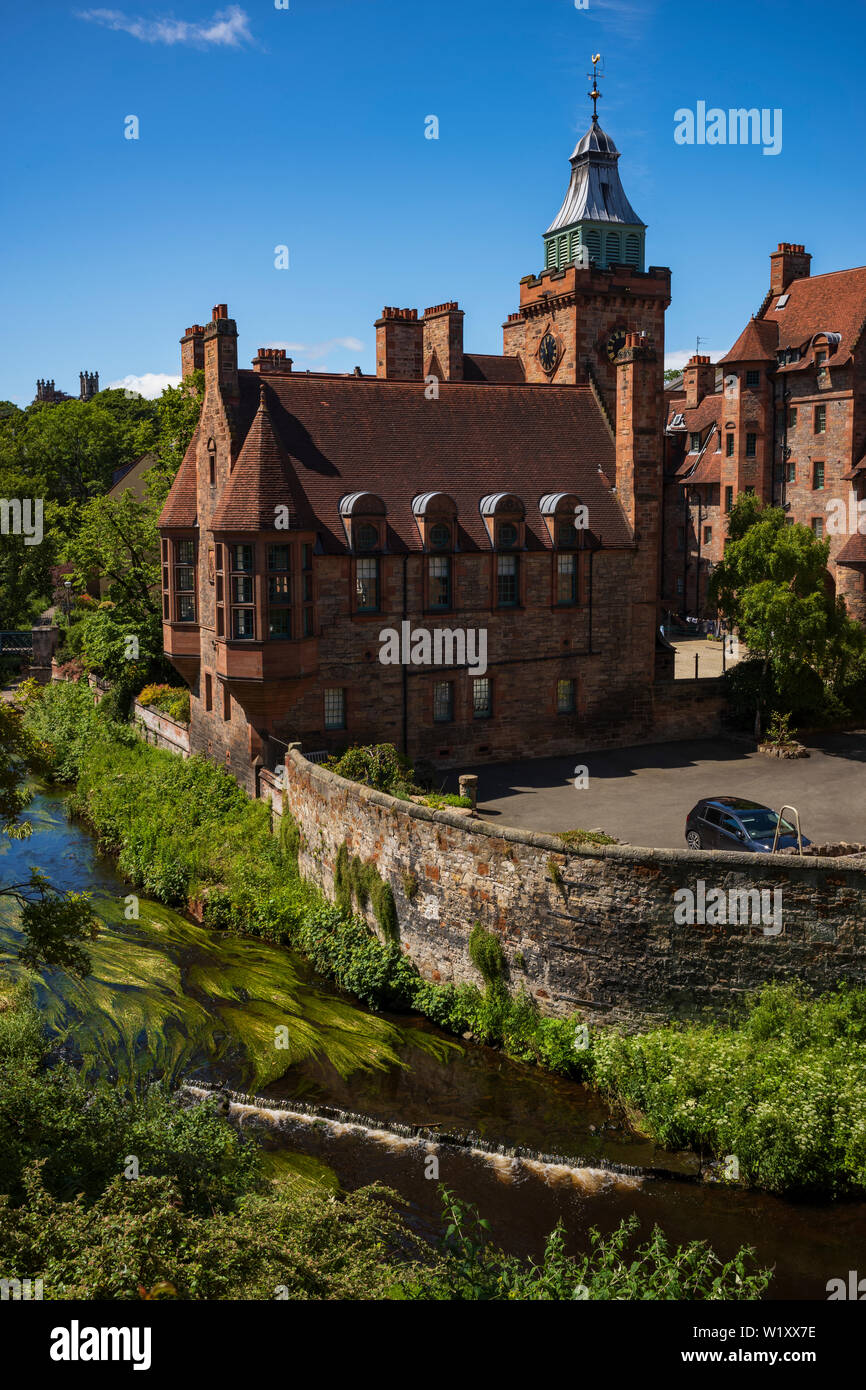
(168, 998)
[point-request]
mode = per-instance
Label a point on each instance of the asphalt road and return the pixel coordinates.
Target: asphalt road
(643, 795)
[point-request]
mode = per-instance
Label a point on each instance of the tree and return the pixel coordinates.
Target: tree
(54, 923)
(772, 584)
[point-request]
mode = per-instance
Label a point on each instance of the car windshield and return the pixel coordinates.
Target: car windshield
(759, 824)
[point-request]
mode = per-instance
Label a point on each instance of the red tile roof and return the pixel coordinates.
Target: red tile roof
(834, 303)
(262, 481)
(504, 370)
(758, 342)
(181, 505)
(339, 435)
(706, 412)
(853, 551)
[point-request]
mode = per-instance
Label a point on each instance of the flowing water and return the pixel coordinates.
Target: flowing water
(355, 1097)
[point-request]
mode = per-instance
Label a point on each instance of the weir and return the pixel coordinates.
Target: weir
(468, 1140)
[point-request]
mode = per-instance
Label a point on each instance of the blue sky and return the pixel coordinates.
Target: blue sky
(305, 127)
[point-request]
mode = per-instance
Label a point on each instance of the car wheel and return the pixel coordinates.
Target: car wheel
(693, 840)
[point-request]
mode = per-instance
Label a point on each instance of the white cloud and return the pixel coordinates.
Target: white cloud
(228, 28)
(314, 352)
(150, 385)
(678, 360)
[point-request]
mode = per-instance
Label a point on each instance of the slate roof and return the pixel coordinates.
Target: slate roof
(595, 191)
(319, 438)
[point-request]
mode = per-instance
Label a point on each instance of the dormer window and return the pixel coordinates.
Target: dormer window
(507, 535)
(694, 442)
(440, 536)
(366, 536)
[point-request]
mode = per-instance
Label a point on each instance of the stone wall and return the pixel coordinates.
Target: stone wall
(589, 931)
(161, 731)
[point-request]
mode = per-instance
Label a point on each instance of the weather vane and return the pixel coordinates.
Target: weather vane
(595, 93)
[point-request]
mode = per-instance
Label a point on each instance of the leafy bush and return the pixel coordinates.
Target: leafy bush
(376, 765)
(168, 699)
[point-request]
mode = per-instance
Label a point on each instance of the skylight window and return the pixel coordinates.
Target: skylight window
(782, 301)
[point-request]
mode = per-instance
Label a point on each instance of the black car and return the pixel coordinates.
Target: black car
(732, 823)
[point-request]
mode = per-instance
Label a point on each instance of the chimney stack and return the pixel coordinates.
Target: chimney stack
(699, 380)
(790, 262)
(192, 351)
(400, 345)
(272, 360)
(443, 341)
(220, 339)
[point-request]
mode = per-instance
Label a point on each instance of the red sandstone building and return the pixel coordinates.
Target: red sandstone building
(312, 512)
(783, 414)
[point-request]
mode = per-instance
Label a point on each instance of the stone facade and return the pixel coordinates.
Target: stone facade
(589, 931)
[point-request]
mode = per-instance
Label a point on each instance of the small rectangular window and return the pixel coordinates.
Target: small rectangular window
(791, 475)
(729, 446)
(278, 557)
(753, 379)
(820, 419)
(443, 702)
(335, 708)
(506, 581)
(817, 476)
(751, 446)
(818, 527)
(185, 552)
(221, 622)
(367, 585)
(792, 418)
(242, 588)
(694, 443)
(185, 608)
(729, 499)
(242, 558)
(708, 534)
(280, 624)
(439, 574)
(243, 624)
(482, 698)
(565, 697)
(566, 579)
(308, 622)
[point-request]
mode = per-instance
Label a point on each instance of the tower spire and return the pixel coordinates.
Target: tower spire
(595, 94)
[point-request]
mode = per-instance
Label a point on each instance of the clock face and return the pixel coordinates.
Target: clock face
(548, 352)
(615, 343)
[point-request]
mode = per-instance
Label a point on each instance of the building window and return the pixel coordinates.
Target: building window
(817, 476)
(335, 708)
(279, 593)
(753, 379)
(208, 692)
(791, 475)
(820, 419)
(443, 702)
(482, 698)
(694, 442)
(243, 624)
(185, 608)
(506, 581)
(729, 499)
(818, 527)
(440, 536)
(792, 418)
(820, 357)
(708, 534)
(439, 574)
(565, 697)
(507, 535)
(367, 585)
(729, 446)
(751, 446)
(566, 535)
(227, 704)
(366, 536)
(566, 579)
(184, 580)
(242, 559)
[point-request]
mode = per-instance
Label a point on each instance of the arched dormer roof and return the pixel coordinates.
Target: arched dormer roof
(362, 504)
(428, 503)
(496, 502)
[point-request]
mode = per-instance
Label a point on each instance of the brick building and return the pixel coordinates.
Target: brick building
(783, 414)
(518, 496)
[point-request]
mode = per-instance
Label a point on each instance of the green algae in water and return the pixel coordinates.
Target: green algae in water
(302, 1170)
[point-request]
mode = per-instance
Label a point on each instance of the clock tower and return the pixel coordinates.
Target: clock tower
(594, 289)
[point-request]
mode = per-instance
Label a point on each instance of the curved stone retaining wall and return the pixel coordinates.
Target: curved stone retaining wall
(590, 930)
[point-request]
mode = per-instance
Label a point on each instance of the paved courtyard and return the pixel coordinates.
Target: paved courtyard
(643, 795)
